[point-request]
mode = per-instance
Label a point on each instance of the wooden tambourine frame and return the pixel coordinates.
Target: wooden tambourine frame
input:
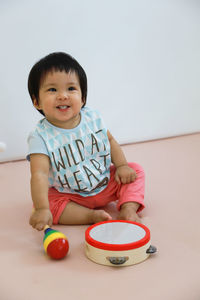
(118, 243)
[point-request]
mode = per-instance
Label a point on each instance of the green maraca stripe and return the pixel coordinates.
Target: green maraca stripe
(49, 233)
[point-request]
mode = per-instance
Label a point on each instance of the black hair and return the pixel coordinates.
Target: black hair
(57, 61)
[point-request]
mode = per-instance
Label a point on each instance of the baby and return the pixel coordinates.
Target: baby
(76, 164)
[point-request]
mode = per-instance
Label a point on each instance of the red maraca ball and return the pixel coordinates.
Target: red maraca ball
(58, 248)
(55, 244)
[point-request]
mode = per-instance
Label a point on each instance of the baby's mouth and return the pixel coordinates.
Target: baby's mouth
(62, 107)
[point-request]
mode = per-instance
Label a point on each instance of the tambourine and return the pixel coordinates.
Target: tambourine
(118, 243)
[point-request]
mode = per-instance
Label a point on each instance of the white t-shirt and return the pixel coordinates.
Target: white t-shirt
(80, 157)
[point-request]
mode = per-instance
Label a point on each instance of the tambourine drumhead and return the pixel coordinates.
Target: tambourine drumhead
(117, 243)
(117, 235)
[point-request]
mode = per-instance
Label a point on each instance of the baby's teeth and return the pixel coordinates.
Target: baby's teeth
(63, 106)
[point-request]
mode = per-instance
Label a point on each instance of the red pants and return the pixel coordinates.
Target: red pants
(132, 192)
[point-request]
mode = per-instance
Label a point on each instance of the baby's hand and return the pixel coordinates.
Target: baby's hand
(125, 174)
(40, 218)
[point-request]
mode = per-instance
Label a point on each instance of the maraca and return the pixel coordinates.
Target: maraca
(55, 243)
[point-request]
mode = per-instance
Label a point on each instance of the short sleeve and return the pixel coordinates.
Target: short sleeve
(36, 145)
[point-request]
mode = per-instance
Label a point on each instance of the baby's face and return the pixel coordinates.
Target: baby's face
(60, 99)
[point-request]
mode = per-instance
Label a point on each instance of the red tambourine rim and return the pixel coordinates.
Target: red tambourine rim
(117, 247)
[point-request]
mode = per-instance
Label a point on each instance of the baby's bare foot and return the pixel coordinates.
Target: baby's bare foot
(128, 212)
(100, 216)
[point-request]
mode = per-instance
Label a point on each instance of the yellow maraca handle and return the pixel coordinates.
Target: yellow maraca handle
(46, 227)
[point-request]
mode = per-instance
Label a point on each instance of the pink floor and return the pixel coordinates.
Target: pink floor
(172, 213)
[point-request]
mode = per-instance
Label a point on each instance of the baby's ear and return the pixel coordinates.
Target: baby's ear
(36, 103)
(83, 102)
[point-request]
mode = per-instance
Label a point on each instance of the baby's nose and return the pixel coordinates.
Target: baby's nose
(63, 95)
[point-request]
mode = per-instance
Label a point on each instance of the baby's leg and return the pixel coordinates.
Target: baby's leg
(131, 198)
(75, 214)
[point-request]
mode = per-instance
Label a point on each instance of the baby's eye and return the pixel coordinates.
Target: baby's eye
(52, 90)
(71, 88)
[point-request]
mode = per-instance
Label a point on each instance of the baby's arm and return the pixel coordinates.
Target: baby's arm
(39, 190)
(124, 174)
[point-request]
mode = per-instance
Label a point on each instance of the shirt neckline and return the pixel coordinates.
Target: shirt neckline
(66, 130)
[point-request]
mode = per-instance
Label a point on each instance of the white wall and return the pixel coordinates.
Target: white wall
(142, 59)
